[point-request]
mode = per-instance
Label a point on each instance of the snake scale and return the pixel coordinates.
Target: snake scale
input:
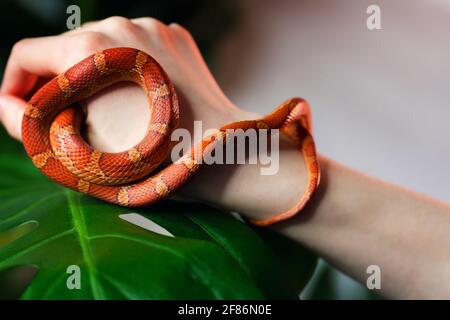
(51, 134)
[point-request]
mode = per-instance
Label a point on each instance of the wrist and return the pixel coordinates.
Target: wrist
(243, 189)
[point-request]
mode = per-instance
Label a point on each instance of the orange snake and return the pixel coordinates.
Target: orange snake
(51, 134)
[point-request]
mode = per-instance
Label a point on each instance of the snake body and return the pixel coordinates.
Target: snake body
(51, 134)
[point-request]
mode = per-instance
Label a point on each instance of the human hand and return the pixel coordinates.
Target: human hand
(117, 118)
(172, 46)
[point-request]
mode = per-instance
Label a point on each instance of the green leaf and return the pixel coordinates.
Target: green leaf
(45, 228)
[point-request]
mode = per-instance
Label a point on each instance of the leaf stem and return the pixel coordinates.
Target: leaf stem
(80, 227)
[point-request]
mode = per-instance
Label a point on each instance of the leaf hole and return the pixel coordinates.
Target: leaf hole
(145, 223)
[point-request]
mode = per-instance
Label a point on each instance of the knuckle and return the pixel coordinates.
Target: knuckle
(119, 22)
(153, 25)
(88, 23)
(19, 46)
(180, 29)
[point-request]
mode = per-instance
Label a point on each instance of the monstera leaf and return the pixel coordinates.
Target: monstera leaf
(193, 251)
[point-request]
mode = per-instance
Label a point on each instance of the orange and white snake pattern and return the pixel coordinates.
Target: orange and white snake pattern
(51, 134)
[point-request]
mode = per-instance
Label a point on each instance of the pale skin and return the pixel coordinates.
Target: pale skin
(353, 221)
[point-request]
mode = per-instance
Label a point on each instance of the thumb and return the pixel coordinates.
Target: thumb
(11, 113)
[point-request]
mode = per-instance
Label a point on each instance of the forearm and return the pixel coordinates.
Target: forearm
(353, 221)
(356, 221)
(242, 188)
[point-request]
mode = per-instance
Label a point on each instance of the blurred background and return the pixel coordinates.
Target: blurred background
(380, 98)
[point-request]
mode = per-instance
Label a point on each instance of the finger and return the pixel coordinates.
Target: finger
(22, 82)
(29, 59)
(45, 57)
(11, 113)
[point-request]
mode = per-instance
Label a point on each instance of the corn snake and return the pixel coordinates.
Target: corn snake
(52, 139)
